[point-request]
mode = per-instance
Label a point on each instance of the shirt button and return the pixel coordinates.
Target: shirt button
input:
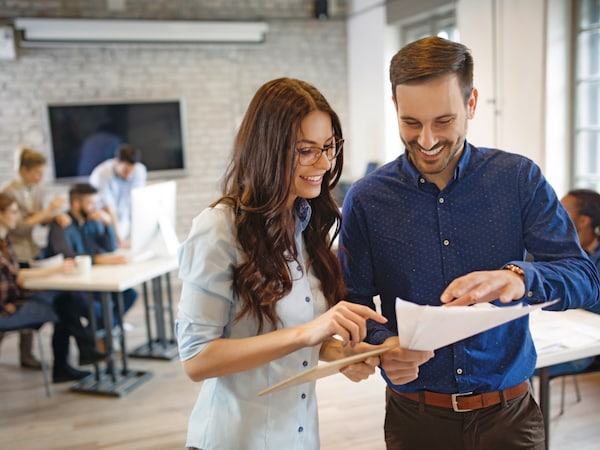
(421, 180)
(530, 294)
(300, 429)
(441, 200)
(299, 269)
(305, 363)
(446, 242)
(307, 299)
(303, 396)
(459, 371)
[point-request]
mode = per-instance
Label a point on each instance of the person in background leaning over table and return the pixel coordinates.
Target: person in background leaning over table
(448, 223)
(28, 192)
(583, 207)
(89, 233)
(115, 178)
(259, 299)
(19, 307)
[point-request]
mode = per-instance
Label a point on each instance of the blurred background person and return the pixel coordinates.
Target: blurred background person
(115, 178)
(27, 191)
(20, 307)
(583, 207)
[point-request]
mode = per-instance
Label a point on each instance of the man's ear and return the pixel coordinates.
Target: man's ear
(472, 103)
(395, 103)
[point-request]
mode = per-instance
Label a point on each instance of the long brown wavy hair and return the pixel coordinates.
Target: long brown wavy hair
(257, 184)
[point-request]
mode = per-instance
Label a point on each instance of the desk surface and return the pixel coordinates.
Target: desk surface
(565, 336)
(106, 278)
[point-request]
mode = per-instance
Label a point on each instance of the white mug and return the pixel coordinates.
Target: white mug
(83, 264)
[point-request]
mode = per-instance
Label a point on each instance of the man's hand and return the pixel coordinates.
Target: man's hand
(361, 370)
(110, 258)
(100, 216)
(402, 365)
(484, 287)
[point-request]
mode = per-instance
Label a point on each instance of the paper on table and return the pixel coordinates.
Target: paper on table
(425, 327)
(53, 261)
(324, 370)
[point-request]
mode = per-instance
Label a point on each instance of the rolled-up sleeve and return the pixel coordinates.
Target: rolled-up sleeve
(206, 261)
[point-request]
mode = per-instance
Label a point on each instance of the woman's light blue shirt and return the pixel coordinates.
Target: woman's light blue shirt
(228, 414)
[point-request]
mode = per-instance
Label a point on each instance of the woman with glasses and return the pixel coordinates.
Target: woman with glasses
(261, 290)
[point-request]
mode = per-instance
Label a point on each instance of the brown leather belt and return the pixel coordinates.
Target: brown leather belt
(466, 401)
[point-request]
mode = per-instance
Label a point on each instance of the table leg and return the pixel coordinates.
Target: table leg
(159, 347)
(107, 313)
(170, 307)
(112, 382)
(147, 314)
(93, 328)
(122, 341)
(544, 375)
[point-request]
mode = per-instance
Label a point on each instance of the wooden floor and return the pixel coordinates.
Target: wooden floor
(154, 415)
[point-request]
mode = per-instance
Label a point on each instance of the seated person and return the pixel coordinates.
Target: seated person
(90, 233)
(583, 207)
(28, 191)
(19, 307)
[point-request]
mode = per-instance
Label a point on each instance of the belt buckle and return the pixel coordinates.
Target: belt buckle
(455, 402)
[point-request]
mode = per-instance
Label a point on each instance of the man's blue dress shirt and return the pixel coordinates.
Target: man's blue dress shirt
(403, 237)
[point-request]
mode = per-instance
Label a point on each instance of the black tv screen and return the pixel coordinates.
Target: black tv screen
(84, 135)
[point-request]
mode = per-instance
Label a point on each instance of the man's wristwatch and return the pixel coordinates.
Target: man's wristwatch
(515, 269)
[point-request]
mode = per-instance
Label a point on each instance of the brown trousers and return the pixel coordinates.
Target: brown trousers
(516, 424)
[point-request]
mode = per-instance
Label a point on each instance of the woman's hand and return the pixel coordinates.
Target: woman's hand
(347, 320)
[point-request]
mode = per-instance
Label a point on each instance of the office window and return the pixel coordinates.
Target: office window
(587, 96)
(436, 24)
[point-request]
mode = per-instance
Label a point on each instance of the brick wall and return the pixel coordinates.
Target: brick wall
(215, 82)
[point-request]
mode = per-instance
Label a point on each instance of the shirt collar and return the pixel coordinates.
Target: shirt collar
(302, 211)
(410, 172)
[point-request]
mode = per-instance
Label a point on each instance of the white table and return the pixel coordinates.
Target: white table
(108, 279)
(561, 337)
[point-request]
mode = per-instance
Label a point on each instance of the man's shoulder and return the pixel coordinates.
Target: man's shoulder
(104, 169)
(496, 154)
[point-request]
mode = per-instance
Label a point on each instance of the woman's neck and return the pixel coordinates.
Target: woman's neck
(3, 232)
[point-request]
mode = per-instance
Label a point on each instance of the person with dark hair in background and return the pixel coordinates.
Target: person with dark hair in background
(583, 207)
(261, 285)
(19, 307)
(115, 179)
(448, 223)
(26, 189)
(89, 233)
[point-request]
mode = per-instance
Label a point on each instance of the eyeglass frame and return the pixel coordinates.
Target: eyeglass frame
(338, 144)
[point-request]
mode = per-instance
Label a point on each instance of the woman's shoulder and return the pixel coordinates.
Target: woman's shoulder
(215, 215)
(213, 224)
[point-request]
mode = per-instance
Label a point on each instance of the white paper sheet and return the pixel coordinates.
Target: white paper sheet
(424, 327)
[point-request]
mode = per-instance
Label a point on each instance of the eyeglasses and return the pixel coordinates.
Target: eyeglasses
(307, 156)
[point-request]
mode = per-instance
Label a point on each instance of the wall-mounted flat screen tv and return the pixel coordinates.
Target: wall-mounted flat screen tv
(84, 135)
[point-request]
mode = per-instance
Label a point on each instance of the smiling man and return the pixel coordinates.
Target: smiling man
(448, 223)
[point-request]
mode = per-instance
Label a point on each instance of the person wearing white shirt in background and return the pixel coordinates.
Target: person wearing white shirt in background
(115, 178)
(261, 291)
